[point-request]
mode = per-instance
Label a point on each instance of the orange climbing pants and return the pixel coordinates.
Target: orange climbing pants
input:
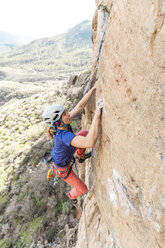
(79, 187)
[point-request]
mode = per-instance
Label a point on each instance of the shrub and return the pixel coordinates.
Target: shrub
(66, 207)
(2, 236)
(15, 176)
(31, 230)
(49, 236)
(3, 202)
(35, 160)
(35, 131)
(5, 243)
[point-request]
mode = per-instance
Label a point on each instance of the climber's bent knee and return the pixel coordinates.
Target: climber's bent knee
(85, 190)
(73, 194)
(79, 187)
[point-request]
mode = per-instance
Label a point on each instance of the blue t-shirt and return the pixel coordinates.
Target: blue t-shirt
(63, 151)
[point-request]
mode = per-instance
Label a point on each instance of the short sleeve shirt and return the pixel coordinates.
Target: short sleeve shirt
(63, 150)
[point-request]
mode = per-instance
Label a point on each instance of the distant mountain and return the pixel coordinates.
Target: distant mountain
(8, 38)
(4, 48)
(67, 52)
(8, 41)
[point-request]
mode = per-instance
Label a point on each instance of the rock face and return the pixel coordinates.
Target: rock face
(125, 207)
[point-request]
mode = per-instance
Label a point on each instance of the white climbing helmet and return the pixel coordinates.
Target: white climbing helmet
(52, 113)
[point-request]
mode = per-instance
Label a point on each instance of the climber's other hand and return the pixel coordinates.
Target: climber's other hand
(99, 106)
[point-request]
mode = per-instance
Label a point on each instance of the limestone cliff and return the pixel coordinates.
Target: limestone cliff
(125, 207)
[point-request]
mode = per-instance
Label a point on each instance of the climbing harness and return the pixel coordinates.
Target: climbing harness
(48, 160)
(68, 169)
(86, 236)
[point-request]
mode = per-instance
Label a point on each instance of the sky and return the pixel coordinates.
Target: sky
(43, 18)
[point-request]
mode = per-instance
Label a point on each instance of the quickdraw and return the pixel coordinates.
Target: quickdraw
(50, 175)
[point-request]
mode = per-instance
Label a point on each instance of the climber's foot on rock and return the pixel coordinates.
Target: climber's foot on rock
(82, 199)
(74, 201)
(87, 155)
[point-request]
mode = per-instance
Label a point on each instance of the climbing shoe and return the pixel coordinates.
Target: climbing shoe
(74, 201)
(87, 155)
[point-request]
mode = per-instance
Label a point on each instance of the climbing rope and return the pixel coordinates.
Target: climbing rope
(88, 87)
(99, 51)
(86, 236)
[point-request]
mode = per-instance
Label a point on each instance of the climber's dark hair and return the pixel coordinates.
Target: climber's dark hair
(51, 132)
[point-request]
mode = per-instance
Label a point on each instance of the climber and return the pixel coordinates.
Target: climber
(67, 143)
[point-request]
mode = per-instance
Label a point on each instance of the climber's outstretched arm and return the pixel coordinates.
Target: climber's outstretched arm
(81, 104)
(90, 140)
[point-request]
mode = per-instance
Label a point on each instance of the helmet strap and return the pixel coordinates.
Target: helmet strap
(64, 125)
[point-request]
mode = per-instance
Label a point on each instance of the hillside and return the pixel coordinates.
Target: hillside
(4, 48)
(68, 52)
(34, 213)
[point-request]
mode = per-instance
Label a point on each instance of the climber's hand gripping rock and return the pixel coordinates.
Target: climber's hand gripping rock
(99, 107)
